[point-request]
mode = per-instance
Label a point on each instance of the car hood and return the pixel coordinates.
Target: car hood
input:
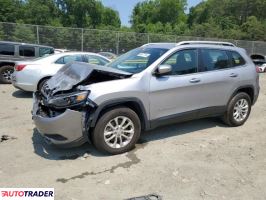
(74, 73)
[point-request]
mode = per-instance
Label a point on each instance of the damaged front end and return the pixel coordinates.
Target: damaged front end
(62, 110)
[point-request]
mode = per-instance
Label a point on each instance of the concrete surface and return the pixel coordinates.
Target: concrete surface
(202, 159)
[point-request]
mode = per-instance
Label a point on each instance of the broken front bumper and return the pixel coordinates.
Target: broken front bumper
(66, 129)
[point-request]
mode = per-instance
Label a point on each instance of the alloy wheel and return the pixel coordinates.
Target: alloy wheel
(7, 74)
(241, 110)
(118, 132)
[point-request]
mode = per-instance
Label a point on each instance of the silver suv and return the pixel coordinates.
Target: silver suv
(150, 86)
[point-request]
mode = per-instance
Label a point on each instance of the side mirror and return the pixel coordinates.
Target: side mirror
(164, 70)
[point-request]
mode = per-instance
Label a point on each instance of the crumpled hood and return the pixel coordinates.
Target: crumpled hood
(74, 73)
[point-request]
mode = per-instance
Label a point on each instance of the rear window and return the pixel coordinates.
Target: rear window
(7, 49)
(214, 59)
(68, 59)
(45, 51)
(27, 51)
(96, 60)
(236, 58)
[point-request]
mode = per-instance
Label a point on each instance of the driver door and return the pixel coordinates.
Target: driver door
(178, 93)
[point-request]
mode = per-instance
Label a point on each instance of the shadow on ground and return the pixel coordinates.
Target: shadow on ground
(22, 94)
(54, 153)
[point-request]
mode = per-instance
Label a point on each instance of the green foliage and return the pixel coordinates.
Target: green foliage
(2, 34)
(71, 13)
(234, 19)
(9, 10)
(158, 16)
(254, 29)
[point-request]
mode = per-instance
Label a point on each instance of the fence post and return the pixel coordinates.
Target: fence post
(148, 37)
(37, 34)
(253, 46)
(82, 39)
(117, 43)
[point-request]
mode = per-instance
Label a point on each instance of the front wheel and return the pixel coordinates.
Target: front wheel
(5, 73)
(117, 131)
(238, 110)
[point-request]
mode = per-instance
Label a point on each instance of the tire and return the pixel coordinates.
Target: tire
(5, 74)
(132, 131)
(231, 118)
(41, 83)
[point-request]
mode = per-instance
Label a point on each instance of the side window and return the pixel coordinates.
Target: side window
(214, 59)
(7, 49)
(183, 62)
(96, 60)
(45, 51)
(27, 51)
(236, 58)
(68, 59)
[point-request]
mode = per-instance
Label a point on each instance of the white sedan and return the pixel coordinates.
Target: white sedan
(31, 75)
(262, 68)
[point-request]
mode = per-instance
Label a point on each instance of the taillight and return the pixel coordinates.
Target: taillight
(19, 67)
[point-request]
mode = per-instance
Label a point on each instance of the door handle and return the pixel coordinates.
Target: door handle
(233, 75)
(194, 80)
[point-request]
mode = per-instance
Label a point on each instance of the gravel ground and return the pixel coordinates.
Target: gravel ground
(201, 159)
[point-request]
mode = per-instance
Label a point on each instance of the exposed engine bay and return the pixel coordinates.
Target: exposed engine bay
(63, 91)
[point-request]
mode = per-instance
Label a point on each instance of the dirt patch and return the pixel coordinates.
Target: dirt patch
(133, 160)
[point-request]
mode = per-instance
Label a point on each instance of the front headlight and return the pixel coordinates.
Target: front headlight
(72, 99)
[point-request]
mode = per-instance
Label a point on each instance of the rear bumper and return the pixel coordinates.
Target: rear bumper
(22, 86)
(256, 95)
(66, 129)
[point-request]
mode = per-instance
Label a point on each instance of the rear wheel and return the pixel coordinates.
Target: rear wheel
(5, 73)
(238, 110)
(117, 131)
(41, 83)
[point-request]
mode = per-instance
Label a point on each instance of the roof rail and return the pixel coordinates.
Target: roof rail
(206, 42)
(156, 43)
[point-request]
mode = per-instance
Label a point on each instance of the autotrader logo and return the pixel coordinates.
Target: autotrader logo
(27, 193)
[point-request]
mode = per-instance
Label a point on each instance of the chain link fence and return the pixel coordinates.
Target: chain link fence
(91, 40)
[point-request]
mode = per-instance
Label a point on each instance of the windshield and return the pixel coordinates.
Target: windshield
(138, 59)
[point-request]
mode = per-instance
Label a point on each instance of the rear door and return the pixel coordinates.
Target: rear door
(218, 77)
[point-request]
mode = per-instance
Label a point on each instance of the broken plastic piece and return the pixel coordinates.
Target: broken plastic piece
(147, 197)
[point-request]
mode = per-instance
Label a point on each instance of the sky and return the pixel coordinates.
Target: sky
(125, 7)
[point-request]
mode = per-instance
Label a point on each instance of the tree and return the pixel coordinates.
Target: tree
(87, 14)
(254, 29)
(158, 15)
(9, 10)
(40, 12)
(234, 19)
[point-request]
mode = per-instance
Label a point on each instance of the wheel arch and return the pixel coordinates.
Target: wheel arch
(249, 89)
(42, 79)
(133, 103)
(6, 63)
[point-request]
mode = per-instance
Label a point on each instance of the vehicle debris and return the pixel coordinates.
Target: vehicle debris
(147, 197)
(6, 137)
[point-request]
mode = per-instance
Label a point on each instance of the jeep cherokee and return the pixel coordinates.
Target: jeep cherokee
(150, 86)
